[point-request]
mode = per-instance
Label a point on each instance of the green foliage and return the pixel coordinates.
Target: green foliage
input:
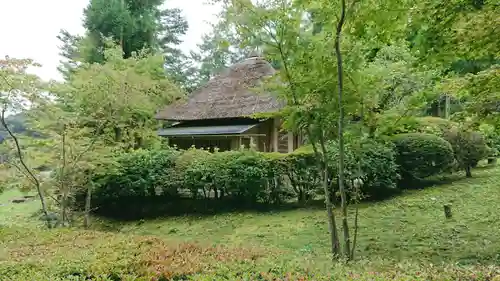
(238, 245)
(144, 183)
(455, 29)
(372, 161)
(245, 176)
(219, 49)
(422, 155)
(492, 138)
(469, 147)
(303, 171)
(134, 26)
(117, 100)
(479, 94)
(394, 89)
(134, 178)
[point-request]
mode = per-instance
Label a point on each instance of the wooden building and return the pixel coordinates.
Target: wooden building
(221, 113)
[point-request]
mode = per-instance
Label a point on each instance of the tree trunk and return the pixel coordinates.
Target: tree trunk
(34, 179)
(355, 236)
(62, 180)
(329, 206)
(332, 224)
(468, 172)
(446, 106)
(88, 197)
(342, 189)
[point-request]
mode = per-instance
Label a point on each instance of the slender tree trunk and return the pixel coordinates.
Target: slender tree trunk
(62, 179)
(121, 28)
(468, 171)
(447, 106)
(88, 199)
(355, 235)
(340, 72)
(25, 167)
(332, 223)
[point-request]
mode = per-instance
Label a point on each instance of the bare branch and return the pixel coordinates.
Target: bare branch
(21, 159)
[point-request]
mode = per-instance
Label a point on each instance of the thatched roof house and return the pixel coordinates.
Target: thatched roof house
(219, 114)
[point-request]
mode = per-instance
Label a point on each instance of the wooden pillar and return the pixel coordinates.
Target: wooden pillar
(235, 143)
(254, 143)
(291, 145)
(275, 134)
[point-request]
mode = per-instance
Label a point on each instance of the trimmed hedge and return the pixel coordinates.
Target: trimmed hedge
(301, 169)
(150, 183)
(469, 146)
(422, 155)
(158, 182)
(171, 181)
(245, 176)
(135, 179)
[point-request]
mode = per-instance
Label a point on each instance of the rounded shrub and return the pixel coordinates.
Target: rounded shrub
(369, 160)
(470, 147)
(435, 125)
(422, 155)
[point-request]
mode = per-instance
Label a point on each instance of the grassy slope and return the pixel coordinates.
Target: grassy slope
(409, 231)
(407, 227)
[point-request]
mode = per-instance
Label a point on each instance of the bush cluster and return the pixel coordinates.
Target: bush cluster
(152, 182)
(179, 181)
(469, 146)
(143, 183)
(373, 162)
(422, 155)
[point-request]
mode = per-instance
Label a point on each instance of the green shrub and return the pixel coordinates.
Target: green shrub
(248, 174)
(277, 190)
(372, 161)
(394, 124)
(188, 171)
(469, 147)
(243, 176)
(435, 125)
(302, 171)
(135, 179)
(492, 138)
(422, 155)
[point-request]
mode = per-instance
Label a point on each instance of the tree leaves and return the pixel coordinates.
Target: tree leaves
(122, 93)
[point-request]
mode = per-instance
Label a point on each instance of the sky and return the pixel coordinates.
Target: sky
(36, 38)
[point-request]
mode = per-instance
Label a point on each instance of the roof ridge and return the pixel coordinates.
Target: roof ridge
(228, 94)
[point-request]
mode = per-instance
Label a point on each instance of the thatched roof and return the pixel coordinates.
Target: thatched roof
(230, 94)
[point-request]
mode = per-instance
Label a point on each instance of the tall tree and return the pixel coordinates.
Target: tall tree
(123, 94)
(461, 38)
(18, 91)
(445, 32)
(134, 25)
(319, 84)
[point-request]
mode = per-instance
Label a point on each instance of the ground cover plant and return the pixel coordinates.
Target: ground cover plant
(264, 246)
